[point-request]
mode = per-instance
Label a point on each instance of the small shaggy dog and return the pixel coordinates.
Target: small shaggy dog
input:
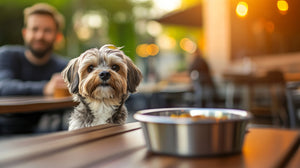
(100, 79)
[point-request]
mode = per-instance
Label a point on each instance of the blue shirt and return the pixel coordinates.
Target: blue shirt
(20, 77)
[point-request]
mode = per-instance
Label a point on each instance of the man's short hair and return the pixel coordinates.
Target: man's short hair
(43, 8)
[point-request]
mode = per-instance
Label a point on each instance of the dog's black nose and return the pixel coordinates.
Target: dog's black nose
(104, 75)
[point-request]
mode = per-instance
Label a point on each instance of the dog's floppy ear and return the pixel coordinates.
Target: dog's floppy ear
(134, 75)
(70, 75)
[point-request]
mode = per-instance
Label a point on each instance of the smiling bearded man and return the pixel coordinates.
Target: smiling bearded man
(34, 69)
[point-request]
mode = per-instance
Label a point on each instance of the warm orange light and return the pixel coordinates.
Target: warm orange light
(270, 27)
(282, 5)
(145, 50)
(141, 50)
(187, 45)
(152, 49)
(241, 9)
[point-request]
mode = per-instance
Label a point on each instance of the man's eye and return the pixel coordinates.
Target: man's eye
(90, 68)
(48, 30)
(33, 29)
(115, 68)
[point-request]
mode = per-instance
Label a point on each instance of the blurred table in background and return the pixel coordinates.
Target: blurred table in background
(21, 104)
(164, 86)
(164, 93)
(263, 94)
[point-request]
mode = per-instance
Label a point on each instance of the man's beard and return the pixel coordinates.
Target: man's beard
(39, 53)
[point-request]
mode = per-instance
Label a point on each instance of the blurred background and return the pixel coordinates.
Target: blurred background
(127, 23)
(244, 37)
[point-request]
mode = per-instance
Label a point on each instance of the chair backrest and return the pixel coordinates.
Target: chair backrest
(293, 103)
(273, 84)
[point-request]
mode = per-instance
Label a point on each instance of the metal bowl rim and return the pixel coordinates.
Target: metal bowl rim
(142, 117)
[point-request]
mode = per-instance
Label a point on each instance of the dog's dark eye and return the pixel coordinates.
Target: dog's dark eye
(115, 67)
(90, 68)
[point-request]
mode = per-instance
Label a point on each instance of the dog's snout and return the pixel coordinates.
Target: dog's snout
(104, 75)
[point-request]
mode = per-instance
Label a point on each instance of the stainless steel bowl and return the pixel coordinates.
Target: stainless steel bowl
(194, 137)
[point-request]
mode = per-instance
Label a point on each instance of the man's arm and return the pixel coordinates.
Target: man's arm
(16, 87)
(9, 84)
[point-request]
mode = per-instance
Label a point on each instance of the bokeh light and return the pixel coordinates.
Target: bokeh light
(166, 42)
(141, 50)
(84, 33)
(145, 50)
(92, 19)
(167, 5)
(241, 9)
(154, 28)
(152, 49)
(270, 27)
(282, 6)
(188, 45)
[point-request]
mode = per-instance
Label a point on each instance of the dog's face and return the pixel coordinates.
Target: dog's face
(102, 74)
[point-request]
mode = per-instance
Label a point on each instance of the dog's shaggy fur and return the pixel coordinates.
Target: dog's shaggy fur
(100, 80)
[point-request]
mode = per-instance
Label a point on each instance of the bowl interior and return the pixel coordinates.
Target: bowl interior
(191, 115)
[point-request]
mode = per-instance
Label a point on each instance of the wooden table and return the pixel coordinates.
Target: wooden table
(249, 80)
(124, 146)
(33, 103)
(164, 93)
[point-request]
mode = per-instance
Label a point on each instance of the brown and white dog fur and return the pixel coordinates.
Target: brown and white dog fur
(100, 80)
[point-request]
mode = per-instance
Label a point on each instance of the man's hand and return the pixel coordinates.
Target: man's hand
(56, 81)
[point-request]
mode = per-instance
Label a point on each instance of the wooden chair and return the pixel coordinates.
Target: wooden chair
(293, 103)
(267, 99)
